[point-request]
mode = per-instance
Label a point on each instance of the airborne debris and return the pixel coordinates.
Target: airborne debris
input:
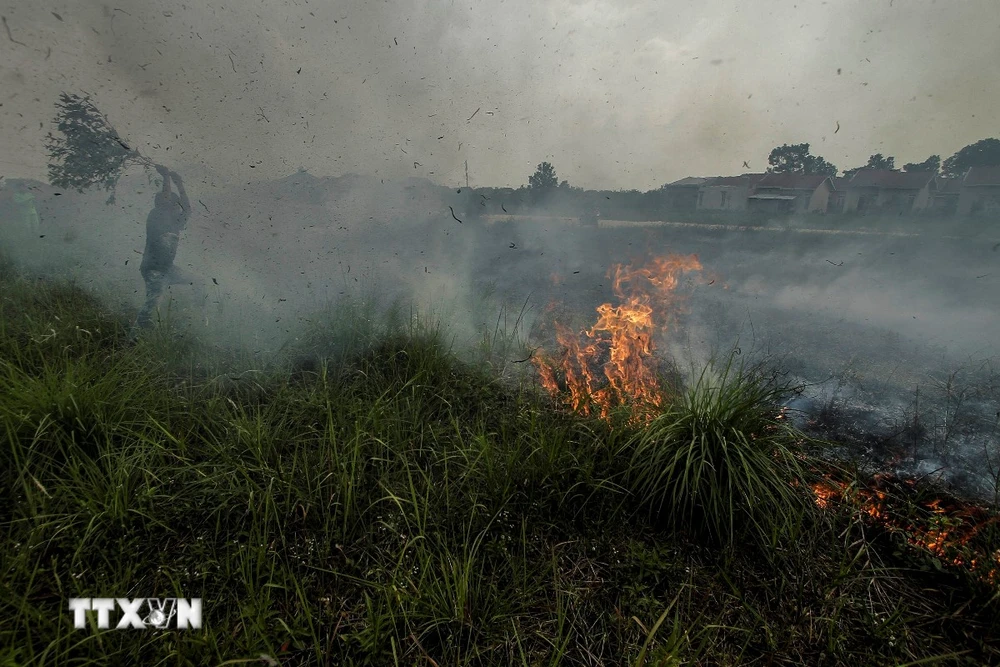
(527, 358)
(57, 16)
(841, 263)
(453, 215)
(473, 114)
(10, 36)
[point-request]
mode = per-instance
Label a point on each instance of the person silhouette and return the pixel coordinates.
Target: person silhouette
(164, 224)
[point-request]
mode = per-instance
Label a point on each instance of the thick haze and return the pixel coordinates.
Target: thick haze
(617, 94)
(888, 330)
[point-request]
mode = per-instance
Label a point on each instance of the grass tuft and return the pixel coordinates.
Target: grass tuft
(720, 459)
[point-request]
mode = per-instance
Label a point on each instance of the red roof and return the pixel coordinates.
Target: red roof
(746, 180)
(982, 176)
(792, 181)
(892, 180)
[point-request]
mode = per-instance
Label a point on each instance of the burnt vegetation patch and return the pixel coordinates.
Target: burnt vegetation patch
(389, 500)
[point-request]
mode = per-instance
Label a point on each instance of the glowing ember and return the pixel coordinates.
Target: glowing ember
(611, 363)
(946, 534)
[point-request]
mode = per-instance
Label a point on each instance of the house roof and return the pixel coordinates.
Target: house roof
(690, 181)
(949, 186)
(745, 180)
(893, 180)
(982, 176)
(840, 182)
(790, 181)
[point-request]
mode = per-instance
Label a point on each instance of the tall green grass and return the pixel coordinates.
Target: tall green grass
(720, 459)
(377, 497)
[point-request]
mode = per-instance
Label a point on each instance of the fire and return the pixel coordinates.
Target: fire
(612, 363)
(945, 534)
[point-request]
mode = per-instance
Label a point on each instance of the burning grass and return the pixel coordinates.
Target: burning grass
(611, 364)
(956, 534)
(404, 507)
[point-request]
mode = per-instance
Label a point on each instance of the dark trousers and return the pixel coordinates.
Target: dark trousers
(159, 281)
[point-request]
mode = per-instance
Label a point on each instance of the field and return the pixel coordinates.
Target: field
(376, 495)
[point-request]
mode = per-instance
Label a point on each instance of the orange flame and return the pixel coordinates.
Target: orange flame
(619, 346)
(946, 535)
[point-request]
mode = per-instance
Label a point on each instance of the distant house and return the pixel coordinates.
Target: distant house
(838, 197)
(682, 195)
(791, 193)
(888, 191)
(980, 191)
(727, 193)
(945, 196)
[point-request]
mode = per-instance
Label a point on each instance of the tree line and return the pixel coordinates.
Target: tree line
(796, 158)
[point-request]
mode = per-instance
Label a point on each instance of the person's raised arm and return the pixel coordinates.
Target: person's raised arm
(185, 203)
(165, 173)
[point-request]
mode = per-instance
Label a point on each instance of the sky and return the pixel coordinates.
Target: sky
(616, 94)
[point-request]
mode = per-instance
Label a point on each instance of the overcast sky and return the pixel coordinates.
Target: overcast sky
(615, 93)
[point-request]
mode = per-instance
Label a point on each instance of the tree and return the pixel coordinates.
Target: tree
(983, 153)
(88, 150)
(877, 161)
(931, 164)
(795, 158)
(544, 177)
